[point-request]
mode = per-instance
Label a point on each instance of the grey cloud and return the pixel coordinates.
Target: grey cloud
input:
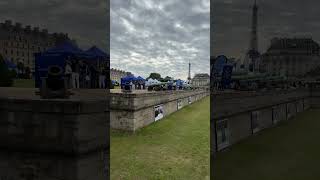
(160, 36)
(283, 18)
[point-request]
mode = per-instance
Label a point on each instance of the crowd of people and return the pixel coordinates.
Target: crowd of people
(137, 85)
(81, 74)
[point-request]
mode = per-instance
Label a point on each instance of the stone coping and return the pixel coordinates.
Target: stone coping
(30, 93)
(143, 93)
(255, 101)
(242, 94)
(239, 110)
(53, 106)
(134, 102)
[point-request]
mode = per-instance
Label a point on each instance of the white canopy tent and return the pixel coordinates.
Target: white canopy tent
(152, 82)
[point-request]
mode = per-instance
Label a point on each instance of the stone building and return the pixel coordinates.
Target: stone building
(116, 74)
(201, 80)
(18, 44)
(291, 56)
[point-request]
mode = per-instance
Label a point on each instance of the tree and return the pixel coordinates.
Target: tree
(167, 78)
(156, 76)
(6, 77)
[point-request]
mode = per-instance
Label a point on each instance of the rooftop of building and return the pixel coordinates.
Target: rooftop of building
(118, 70)
(18, 27)
(299, 44)
(201, 75)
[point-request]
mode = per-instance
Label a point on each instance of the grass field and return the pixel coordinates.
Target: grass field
(174, 148)
(24, 83)
(290, 151)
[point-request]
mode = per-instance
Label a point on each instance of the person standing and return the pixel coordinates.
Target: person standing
(75, 74)
(67, 73)
(102, 78)
(87, 76)
(87, 80)
(131, 86)
(82, 73)
(93, 76)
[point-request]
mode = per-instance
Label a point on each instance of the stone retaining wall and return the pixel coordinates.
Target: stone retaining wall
(53, 139)
(242, 114)
(130, 111)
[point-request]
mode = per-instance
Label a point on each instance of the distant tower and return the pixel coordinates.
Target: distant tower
(253, 54)
(189, 74)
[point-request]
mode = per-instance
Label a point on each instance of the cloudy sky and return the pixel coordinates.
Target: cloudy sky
(160, 36)
(83, 20)
(281, 18)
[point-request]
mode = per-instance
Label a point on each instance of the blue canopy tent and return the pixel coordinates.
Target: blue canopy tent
(179, 83)
(97, 54)
(219, 64)
(56, 56)
(141, 83)
(128, 79)
(139, 78)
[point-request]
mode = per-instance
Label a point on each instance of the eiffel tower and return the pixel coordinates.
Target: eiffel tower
(189, 73)
(253, 55)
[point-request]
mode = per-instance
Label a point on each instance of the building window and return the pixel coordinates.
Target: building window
(222, 134)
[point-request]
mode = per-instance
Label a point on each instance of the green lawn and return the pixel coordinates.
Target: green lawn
(24, 83)
(290, 151)
(176, 147)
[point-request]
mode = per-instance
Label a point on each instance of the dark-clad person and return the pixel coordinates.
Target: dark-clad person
(93, 76)
(75, 74)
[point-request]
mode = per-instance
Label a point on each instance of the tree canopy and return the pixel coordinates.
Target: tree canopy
(6, 76)
(156, 76)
